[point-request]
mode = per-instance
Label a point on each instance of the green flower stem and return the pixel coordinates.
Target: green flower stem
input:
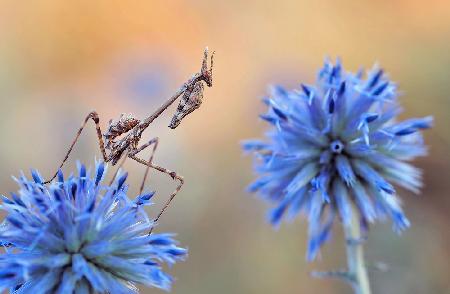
(355, 255)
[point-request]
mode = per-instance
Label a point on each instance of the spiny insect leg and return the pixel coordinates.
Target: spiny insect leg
(94, 116)
(122, 162)
(172, 174)
(153, 142)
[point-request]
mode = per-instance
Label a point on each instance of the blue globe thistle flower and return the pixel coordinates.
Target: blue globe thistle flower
(337, 144)
(81, 236)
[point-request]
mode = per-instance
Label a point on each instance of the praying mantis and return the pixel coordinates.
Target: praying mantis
(130, 129)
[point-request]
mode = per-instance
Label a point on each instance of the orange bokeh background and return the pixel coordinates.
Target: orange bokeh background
(61, 59)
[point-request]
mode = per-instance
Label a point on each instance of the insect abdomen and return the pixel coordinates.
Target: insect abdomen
(122, 126)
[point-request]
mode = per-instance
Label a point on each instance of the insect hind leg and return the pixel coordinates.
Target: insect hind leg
(94, 116)
(154, 142)
(150, 164)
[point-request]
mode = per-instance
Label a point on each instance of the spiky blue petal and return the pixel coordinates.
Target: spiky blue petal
(80, 236)
(334, 145)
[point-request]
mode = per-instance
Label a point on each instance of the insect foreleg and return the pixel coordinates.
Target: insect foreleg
(94, 116)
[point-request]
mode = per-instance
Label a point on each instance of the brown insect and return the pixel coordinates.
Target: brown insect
(132, 128)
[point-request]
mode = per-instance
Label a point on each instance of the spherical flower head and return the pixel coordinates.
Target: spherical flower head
(333, 145)
(81, 236)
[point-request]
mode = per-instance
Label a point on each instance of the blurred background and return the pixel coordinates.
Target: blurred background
(61, 59)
